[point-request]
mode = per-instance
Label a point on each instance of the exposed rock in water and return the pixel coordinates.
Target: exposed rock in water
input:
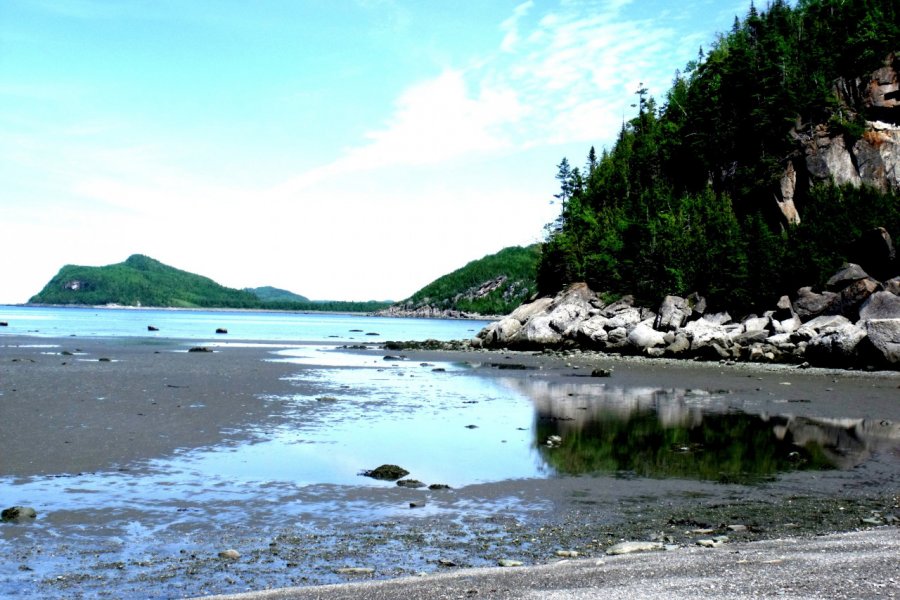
(410, 483)
(386, 473)
(18, 514)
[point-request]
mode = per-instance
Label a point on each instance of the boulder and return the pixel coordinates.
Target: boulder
(617, 338)
(880, 305)
(751, 337)
(836, 346)
(697, 304)
(783, 309)
(679, 345)
(704, 333)
(538, 331)
(673, 313)
(884, 336)
(526, 311)
(809, 304)
(893, 286)
(849, 273)
(592, 331)
(566, 317)
(853, 296)
(625, 318)
(722, 318)
(643, 337)
(754, 323)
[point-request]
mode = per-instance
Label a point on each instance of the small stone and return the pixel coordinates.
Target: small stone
(410, 483)
(506, 562)
(705, 531)
(200, 349)
(230, 554)
(417, 504)
(326, 399)
(631, 547)
(438, 486)
(221, 330)
(872, 520)
(736, 527)
(601, 373)
(446, 562)
(567, 553)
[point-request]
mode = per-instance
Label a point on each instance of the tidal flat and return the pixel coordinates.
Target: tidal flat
(148, 464)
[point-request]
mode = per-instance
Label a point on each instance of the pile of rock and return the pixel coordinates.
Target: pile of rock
(855, 322)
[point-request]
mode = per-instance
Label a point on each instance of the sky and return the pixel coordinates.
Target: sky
(340, 149)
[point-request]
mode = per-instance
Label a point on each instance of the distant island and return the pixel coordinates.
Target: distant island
(144, 281)
(493, 285)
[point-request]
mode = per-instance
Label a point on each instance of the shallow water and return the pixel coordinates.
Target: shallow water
(443, 422)
(241, 325)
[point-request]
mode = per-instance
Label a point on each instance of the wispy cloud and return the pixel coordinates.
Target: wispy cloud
(556, 77)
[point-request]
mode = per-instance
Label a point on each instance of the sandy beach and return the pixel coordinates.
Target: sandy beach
(108, 408)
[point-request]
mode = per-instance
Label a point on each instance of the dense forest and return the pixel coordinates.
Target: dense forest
(493, 285)
(684, 199)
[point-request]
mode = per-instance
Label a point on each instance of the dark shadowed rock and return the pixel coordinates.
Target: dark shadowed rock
(386, 473)
(836, 346)
(848, 274)
(809, 304)
(853, 296)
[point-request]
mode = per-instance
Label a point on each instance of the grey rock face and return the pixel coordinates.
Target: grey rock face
(884, 335)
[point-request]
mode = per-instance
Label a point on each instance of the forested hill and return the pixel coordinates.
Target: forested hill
(139, 281)
(757, 172)
(143, 281)
(493, 285)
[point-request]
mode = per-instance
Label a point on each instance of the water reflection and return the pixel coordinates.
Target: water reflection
(652, 432)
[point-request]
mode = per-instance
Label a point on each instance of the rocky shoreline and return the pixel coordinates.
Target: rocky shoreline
(854, 323)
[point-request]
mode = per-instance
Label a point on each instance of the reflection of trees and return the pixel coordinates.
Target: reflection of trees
(654, 432)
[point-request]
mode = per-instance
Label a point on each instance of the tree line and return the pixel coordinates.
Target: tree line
(684, 199)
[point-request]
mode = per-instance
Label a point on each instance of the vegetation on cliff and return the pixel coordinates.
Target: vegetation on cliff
(685, 199)
(493, 285)
(143, 281)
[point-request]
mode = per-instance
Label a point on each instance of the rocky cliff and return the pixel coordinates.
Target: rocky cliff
(829, 152)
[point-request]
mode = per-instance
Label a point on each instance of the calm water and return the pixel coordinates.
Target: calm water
(241, 325)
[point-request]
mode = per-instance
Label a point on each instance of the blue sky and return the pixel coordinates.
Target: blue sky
(348, 149)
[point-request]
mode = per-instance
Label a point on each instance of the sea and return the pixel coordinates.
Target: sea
(190, 324)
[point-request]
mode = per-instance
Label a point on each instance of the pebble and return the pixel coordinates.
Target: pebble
(630, 547)
(567, 553)
(354, 571)
(230, 554)
(737, 527)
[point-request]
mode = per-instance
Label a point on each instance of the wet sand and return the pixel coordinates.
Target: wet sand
(65, 411)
